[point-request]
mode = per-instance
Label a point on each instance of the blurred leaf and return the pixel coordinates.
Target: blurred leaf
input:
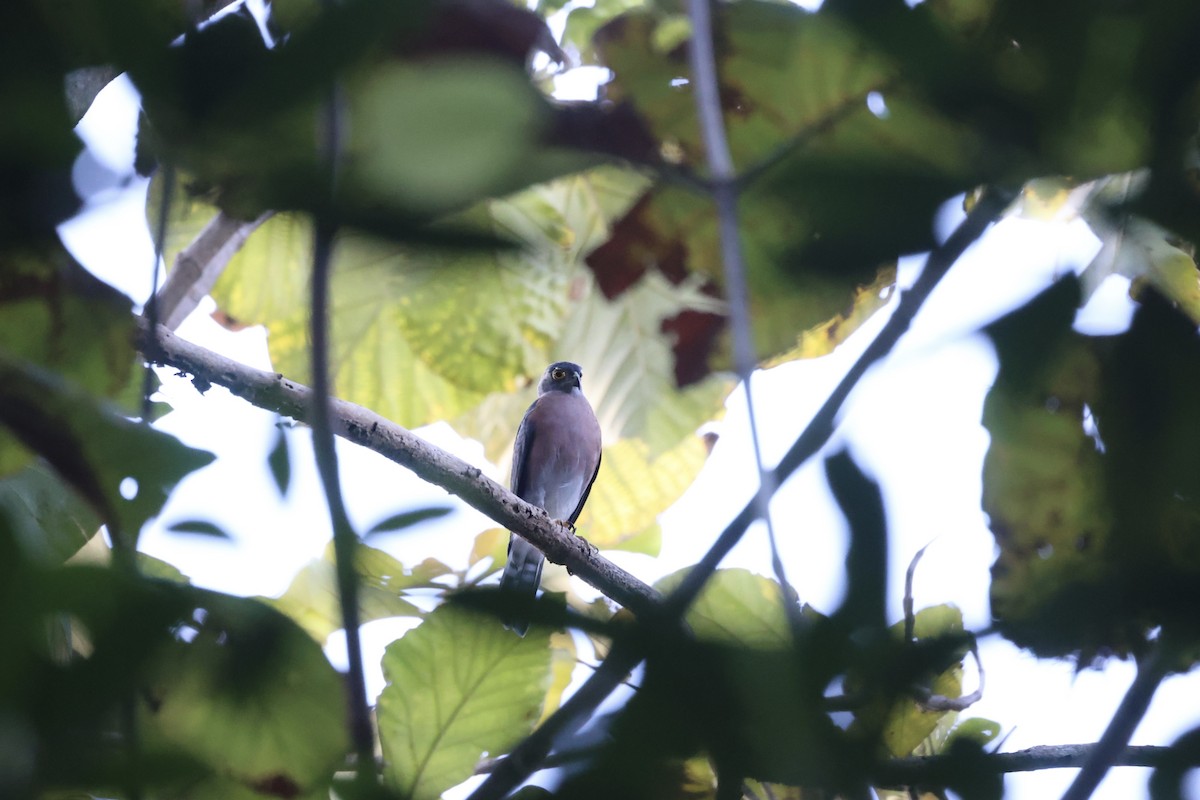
(459, 685)
(406, 519)
(492, 543)
(821, 339)
(1137, 248)
(1090, 479)
(438, 135)
(824, 162)
(279, 461)
(736, 607)
(861, 502)
(55, 314)
(50, 522)
(311, 599)
(102, 455)
(252, 696)
(977, 729)
(199, 527)
(1043, 474)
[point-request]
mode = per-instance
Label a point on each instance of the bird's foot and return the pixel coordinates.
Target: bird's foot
(569, 526)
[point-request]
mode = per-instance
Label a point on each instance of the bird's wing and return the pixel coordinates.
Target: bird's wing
(587, 490)
(521, 446)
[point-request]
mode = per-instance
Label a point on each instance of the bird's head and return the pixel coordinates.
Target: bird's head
(561, 376)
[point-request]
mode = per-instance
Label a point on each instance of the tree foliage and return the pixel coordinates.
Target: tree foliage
(484, 229)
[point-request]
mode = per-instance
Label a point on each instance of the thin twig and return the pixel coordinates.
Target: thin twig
(345, 540)
(940, 702)
(932, 770)
(724, 191)
(986, 211)
(1106, 753)
(910, 617)
(530, 755)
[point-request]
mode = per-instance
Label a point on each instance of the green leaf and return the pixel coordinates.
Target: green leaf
(55, 314)
(279, 461)
(909, 728)
(448, 327)
(124, 470)
(199, 527)
(459, 686)
(736, 606)
(252, 696)
(440, 134)
(49, 520)
(311, 599)
(406, 519)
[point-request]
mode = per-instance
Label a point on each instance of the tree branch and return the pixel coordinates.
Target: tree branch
(1151, 671)
(934, 770)
(987, 210)
(198, 266)
(274, 392)
(626, 654)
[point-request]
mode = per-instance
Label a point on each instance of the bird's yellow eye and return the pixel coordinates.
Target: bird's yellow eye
(558, 374)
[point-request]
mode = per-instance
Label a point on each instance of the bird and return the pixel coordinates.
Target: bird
(556, 457)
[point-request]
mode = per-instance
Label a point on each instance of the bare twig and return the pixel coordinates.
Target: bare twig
(198, 266)
(910, 617)
(939, 702)
(1107, 752)
(274, 392)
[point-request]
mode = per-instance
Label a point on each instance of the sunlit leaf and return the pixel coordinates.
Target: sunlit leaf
(311, 599)
(736, 607)
(909, 726)
(563, 659)
(459, 686)
(633, 488)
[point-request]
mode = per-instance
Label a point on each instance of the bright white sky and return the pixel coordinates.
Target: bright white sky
(913, 424)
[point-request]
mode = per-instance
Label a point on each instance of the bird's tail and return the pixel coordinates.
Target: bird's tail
(522, 575)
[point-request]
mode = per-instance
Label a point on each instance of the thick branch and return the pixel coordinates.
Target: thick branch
(362, 426)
